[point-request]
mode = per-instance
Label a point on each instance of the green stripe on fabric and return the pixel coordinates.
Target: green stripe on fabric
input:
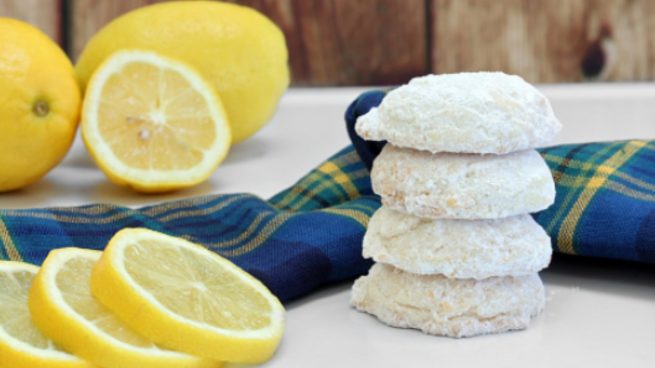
(331, 175)
(576, 164)
(580, 181)
(568, 181)
(247, 233)
(604, 171)
(628, 192)
(323, 185)
(259, 239)
(81, 219)
(359, 217)
(201, 211)
(336, 181)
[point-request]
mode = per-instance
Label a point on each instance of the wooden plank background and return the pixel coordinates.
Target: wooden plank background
(381, 42)
(46, 15)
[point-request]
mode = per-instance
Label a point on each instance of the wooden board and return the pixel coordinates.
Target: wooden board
(344, 42)
(378, 42)
(546, 41)
(331, 42)
(44, 14)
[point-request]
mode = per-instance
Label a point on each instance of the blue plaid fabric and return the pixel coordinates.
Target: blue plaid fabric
(304, 237)
(310, 234)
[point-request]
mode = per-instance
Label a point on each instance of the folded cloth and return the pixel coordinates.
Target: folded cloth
(306, 236)
(605, 202)
(311, 234)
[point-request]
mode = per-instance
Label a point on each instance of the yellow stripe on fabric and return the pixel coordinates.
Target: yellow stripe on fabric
(579, 182)
(70, 219)
(324, 185)
(567, 230)
(263, 235)
(203, 211)
(629, 192)
(345, 160)
(650, 145)
(123, 215)
(297, 189)
(355, 215)
(344, 180)
(569, 181)
(10, 247)
(577, 164)
(187, 203)
(244, 235)
(94, 210)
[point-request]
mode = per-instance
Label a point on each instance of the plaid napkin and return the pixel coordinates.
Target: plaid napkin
(306, 236)
(310, 234)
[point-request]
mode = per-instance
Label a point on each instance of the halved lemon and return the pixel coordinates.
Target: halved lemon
(152, 123)
(64, 309)
(185, 297)
(22, 345)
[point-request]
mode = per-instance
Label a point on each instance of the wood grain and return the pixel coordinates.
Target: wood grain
(343, 42)
(44, 14)
(546, 41)
(331, 42)
(378, 42)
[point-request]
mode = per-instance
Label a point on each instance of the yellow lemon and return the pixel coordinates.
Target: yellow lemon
(64, 309)
(236, 49)
(187, 298)
(39, 104)
(153, 123)
(22, 345)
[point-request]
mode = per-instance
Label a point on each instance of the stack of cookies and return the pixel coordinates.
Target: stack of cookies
(456, 250)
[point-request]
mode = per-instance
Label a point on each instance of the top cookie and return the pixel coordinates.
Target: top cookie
(483, 112)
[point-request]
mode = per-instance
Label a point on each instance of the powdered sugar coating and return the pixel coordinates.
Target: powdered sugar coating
(438, 305)
(462, 186)
(481, 112)
(512, 246)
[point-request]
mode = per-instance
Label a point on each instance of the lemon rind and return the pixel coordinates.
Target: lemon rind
(54, 316)
(21, 354)
(112, 284)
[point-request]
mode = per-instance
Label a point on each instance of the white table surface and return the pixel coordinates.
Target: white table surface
(599, 313)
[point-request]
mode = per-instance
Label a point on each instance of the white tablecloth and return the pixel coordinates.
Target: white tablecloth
(599, 314)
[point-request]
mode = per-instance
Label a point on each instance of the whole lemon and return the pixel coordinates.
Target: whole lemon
(39, 104)
(240, 52)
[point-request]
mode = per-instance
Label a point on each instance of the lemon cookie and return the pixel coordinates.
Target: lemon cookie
(438, 305)
(462, 186)
(482, 112)
(512, 246)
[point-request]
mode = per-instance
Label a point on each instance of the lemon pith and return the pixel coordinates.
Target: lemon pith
(239, 51)
(188, 298)
(153, 123)
(22, 345)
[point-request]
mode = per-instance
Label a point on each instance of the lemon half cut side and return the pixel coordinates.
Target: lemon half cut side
(152, 123)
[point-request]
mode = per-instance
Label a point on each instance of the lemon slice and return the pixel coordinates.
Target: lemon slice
(187, 298)
(153, 123)
(22, 345)
(64, 309)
